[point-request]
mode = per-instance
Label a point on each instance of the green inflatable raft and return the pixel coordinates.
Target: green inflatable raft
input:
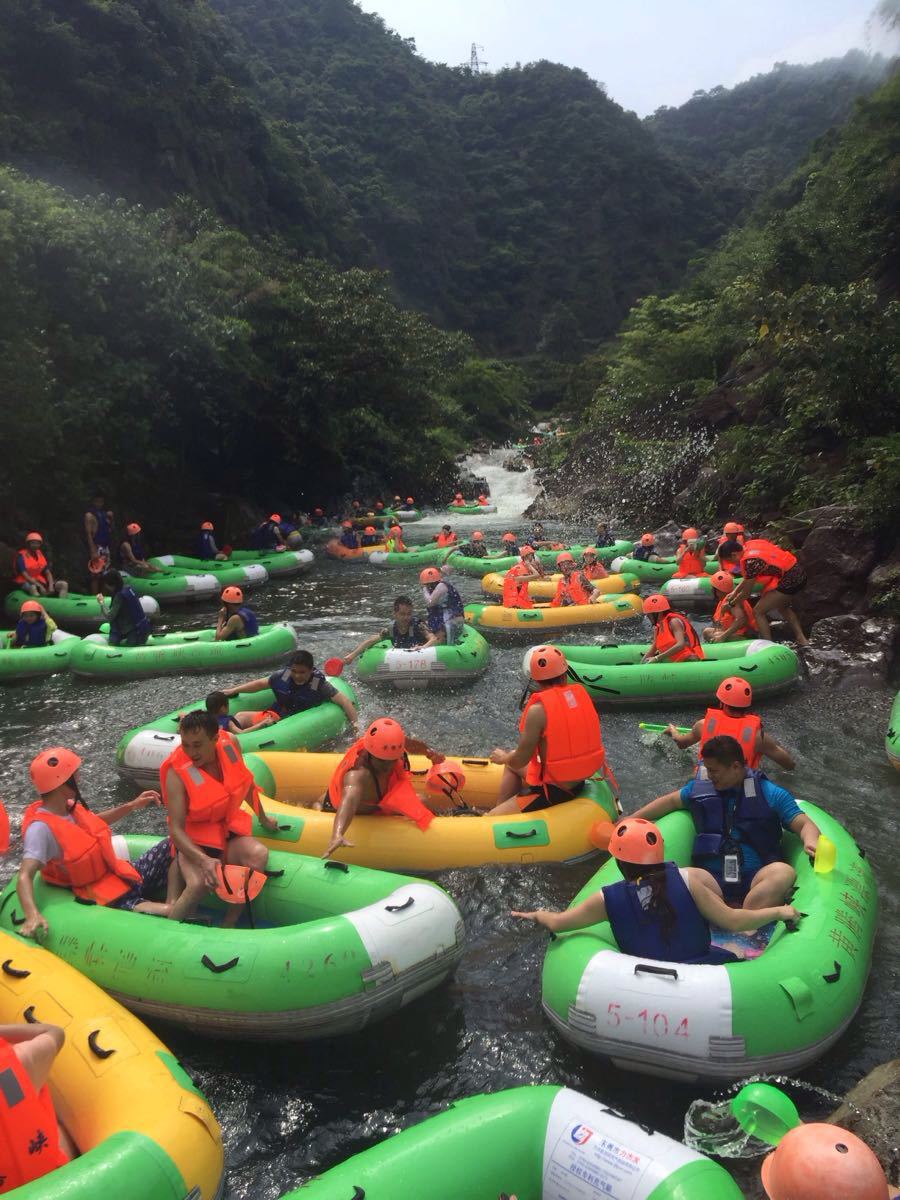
(419, 668)
(477, 567)
(31, 662)
(327, 949)
(615, 674)
(892, 738)
(696, 591)
(262, 564)
(653, 572)
(229, 574)
(532, 1142)
(181, 653)
(471, 510)
(142, 750)
(76, 612)
(176, 587)
(775, 1012)
(415, 558)
(407, 516)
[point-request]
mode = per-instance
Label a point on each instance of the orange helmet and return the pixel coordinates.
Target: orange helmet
(207, 525)
(482, 496)
(318, 512)
(722, 581)
(735, 691)
(370, 529)
(33, 537)
(588, 551)
(232, 595)
(237, 884)
(30, 606)
(385, 739)
(508, 537)
(647, 539)
(809, 1156)
(445, 778)
(52, 768)
(637, 841)
(458, 496)
(564, 557)
(732, 527)
(97, 565)
(430, 575)
(346, 524)
(396, 529)
(477, 536)
(547, 662)
(276, 517)
(409, 500)
(657, 604)
(523, 550)
(133, 528)
(689, 535)
(378, 504)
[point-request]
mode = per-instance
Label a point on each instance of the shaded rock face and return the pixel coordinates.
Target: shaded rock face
(838, 558)
(872, 1111)
(852, 650)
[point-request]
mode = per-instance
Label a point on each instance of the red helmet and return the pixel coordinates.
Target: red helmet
(477, 536)
(232, 595)
(657, 604)
(732, 527)
(637, 841)
(33, 537)
(133, 528)
(385, 739)
(689, 535)
(735, 691)
(809, 1156)
(346, 524)
(722, 581)
(523, 550)
(52, 768)
(588, 551)
(30, 606)
(445, 778)
(563, 558)
(547, 662)
(208, 525)
(409, 500)
(508, 537)
(647, 539)
(430, 575)
(276, 517)
(370, 529)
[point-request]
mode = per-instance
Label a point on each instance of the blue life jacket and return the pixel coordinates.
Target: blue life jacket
(370, 539)
(753, 823)
(131, 618)
(605, 541)
(206, 544)
(640, 933)
(642, 553)
(454, 606)
(293, 697)
(265, 536)
(31, 635)
(251, 623)
(136, 542)
(224, 721)
(348, 539)
(103, 534)
(410, 639)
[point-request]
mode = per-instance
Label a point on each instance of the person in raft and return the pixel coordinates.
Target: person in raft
(98, 532)
(691, 556)
(349, 537)
(73, 848)
(268, 534)
(446, 537)
(645, 550)
(510, 543)
(733, 717)
(660, 910)
(205, 782)
(574, 588)
(674, 637)
(738, 816)
(476, 547)
(31, 569)
(446, 611)
(370, 537)
(406, 632)
(560, 744)
(395, 543)
(781, 577)
(216, 704)
(458, 501)
(373, 776)
(33, 628)
(235, 619)
(133, 552)
(518, 577)
(604, 538)
(298, 687)
(731, 619)
(34, 1141)
(591, 566)
(129, 625)
(206, 543)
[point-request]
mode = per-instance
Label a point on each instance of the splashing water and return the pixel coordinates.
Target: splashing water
(511, 491)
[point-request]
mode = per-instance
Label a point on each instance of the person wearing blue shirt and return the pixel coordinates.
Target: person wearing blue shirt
(739, 816)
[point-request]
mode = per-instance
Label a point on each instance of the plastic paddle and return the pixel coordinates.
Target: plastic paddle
(765, 1112)
(334, 666)
(660, 728)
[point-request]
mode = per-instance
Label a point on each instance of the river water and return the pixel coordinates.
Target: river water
(288, 1112)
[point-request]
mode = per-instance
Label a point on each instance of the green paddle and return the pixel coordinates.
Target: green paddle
(660, 728)
(764, 1112)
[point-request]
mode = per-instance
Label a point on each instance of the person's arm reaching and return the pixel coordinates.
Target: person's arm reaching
(683, 740)
(122, 810)
(807, 831)
(243, 689)
(660, 807)
(535, 723)
(778, 754)
(34, 918)
(347, 809)
(349, 708)
(589, 912)
(361, 648)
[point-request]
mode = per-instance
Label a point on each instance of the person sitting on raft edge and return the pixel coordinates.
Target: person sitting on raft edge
(733, 717)
(298, 687)
(31, 569)
(604, 538)
(645, 550)
(235, 620)
(406, 632)
(33, 628)
(674, 637)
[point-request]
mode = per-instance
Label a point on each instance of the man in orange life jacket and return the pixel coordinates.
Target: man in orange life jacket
(691, 555)
(781, 576)
(730, 620)
(72, 847)
(573, 588)
(560, 743)
(674, 638)
(373, 776)
(205, 783)
(734, 718)
(518, 577)
(32, 1142)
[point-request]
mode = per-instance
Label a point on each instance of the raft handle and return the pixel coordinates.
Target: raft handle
(29, 1016)
(400, 907)
(331, 865)
(656, 970)
(16, 920)
(13, 972)
(274, 874)
(521, 836)
(218, 968)
(84, 900)
(358, 1193)
(835, 975)
(794, 926)
(95, 1049)
(475, 762)
(270, 742)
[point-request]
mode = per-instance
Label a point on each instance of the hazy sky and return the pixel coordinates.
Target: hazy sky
(647, 52)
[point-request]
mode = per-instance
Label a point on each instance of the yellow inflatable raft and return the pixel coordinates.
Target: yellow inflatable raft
(545, 589)
(558, 834)
(143, 1129)
(489, 617)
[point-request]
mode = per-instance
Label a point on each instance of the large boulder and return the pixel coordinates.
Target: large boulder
(838, 556)
(872, 1111)
(853, 650)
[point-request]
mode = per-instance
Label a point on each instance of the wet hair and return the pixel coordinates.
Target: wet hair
(215, 702)
(194, 722)
(113, 579)
(725, 750)
(660, 906)
(401, 600)
(302, 658)
(443, 527)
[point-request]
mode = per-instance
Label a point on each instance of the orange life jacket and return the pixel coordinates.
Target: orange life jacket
(572, 745)
(398, 800)
(89, 865)
(664, 638)
(35, 563)
(744, 729)
(29, 1130)
(772, 556)
(724, 615)
(732, 565)
(213, 807)
(446, 539)
(571, 591)
(515, 587)
(691, 563)
(595, 570)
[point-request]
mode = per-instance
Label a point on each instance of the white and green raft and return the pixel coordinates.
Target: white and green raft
(536, 1143)
(180, 653)
(228, 573)
(261, 564)
(425, 667)
(775, 1013)
(77, 612)
(33, 662)
(326, 949)
(176, 587)
(142, 750)
(892, 737)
